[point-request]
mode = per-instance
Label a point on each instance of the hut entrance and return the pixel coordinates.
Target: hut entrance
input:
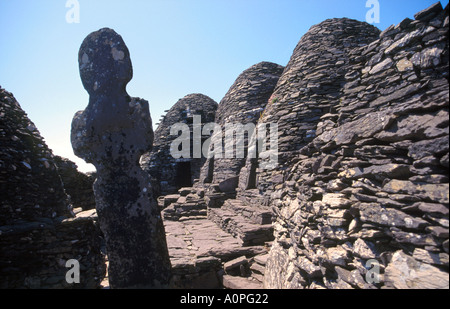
(183, 175)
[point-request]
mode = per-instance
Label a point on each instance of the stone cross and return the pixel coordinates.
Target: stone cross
(112, 133)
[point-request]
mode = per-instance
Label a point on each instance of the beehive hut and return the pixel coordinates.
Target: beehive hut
(309, 88)
(170, 174)
(39, 232)
(243, 104)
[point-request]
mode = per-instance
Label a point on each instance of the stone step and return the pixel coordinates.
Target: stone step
(185, 207)
(257, 214)
(248, 232)
(186, 191)
(216, 199)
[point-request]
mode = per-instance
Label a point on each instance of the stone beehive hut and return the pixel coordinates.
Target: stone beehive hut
(170, 174)
(243, 103)
(310, 87)
(369, 176)
(38, 231)
(30, 184)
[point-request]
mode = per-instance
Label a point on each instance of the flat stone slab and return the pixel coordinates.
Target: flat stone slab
(235, 263)
(240, 283)
(190, 240)
(261, 259)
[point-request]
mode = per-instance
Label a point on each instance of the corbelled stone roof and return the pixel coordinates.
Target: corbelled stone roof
(244, 103)
(312, 83)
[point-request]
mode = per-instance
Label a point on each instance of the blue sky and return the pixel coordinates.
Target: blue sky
(177, 47)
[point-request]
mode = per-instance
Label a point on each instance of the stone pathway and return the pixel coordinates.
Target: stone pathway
(189, 241)
(200, 247)
(202, 254)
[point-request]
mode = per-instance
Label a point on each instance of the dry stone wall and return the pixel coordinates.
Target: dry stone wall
(34, 254)
(369, 182)
(78, 185)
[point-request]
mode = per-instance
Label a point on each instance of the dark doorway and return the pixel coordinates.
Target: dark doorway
(183, 175)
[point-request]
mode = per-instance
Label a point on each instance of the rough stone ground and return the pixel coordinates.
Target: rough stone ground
(198, 249)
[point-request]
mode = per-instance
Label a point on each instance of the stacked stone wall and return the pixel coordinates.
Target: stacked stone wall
(370, 186)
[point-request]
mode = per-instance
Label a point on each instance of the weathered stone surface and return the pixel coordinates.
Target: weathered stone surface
(386, 64)
(34, 254)
(353, 278)
(364, 249)
(433, 147)
(425, 126)
(438, 193)
(430, 208)
(198, 247)
(229, 185)
(112, 133)
(336, 200)
(248, 232)
(29, 181)
(312, 270)
(375, 213)
(430, 257)
(428, 57)
(404, 272)
(405, 65)
(230, 265)
(337, 256)
(429, 12)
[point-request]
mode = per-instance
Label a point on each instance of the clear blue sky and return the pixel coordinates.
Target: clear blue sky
(177, 47)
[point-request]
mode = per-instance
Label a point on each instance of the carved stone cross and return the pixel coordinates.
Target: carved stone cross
(112, 133)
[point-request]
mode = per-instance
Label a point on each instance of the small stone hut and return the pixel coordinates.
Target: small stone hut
(170, 174)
